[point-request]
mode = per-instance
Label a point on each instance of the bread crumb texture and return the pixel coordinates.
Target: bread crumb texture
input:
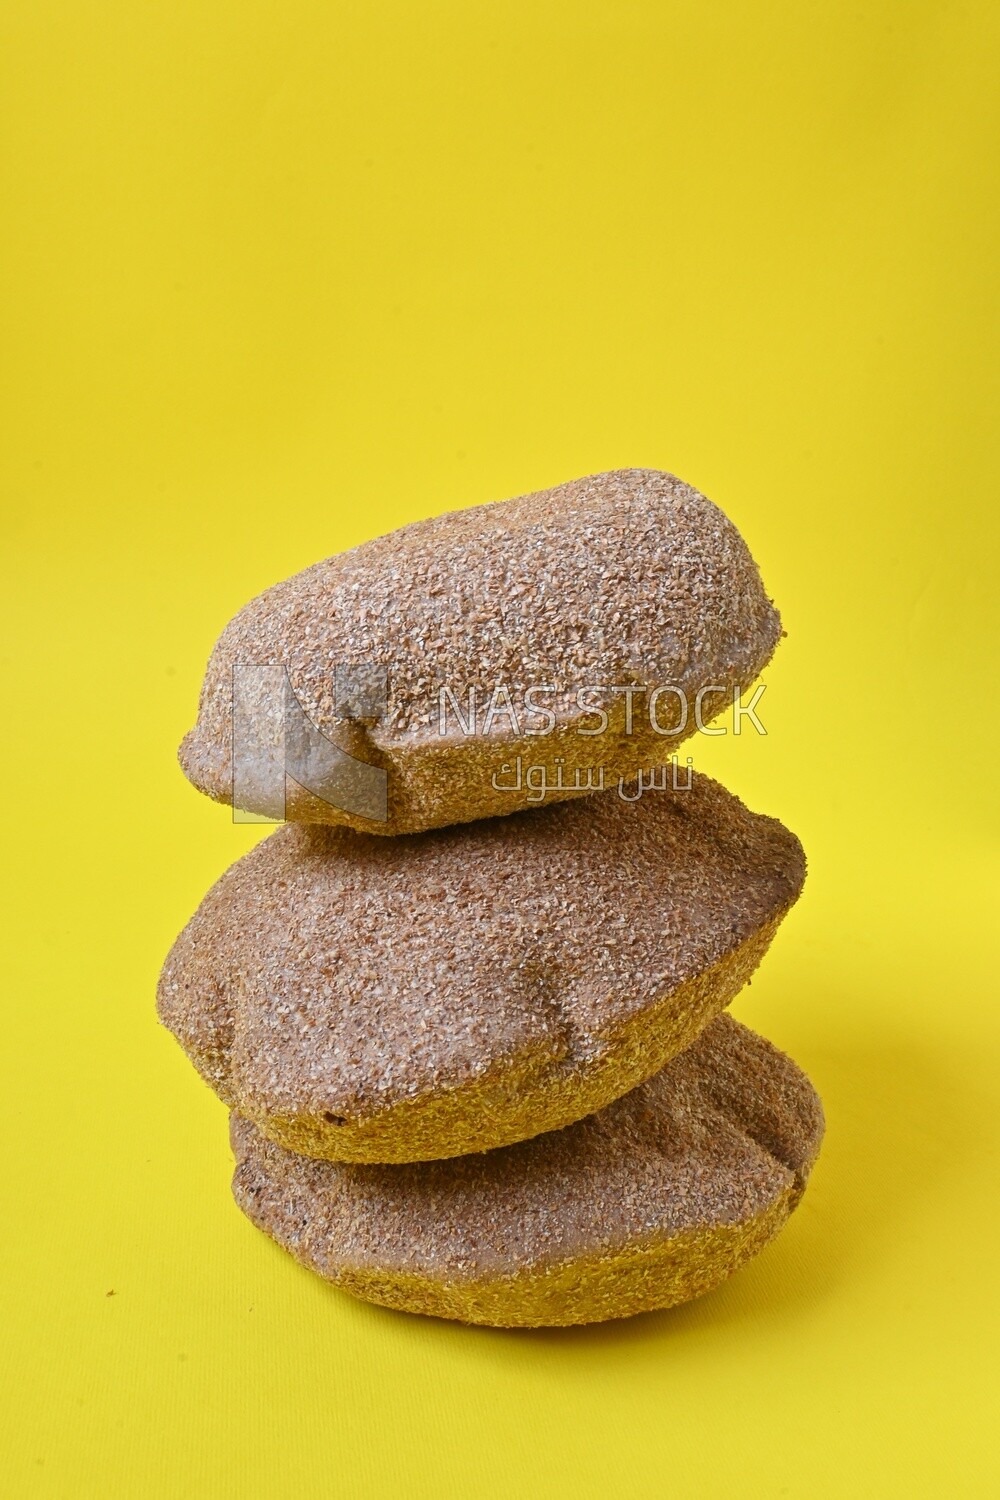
(651, 1201)
(625, 579)
(365, 999)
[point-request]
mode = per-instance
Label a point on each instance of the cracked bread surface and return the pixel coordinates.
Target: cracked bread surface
(648, 1202)
(401, 1000)
(624, 580)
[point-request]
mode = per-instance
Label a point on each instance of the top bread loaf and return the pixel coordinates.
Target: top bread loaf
(486, 660)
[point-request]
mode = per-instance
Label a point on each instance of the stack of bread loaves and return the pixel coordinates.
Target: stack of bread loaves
(466, 1006)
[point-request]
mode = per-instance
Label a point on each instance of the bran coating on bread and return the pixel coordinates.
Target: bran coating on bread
(366, 999)
(630, 579)
(651, 1201)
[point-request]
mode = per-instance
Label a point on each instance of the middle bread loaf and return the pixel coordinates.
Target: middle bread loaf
(390, 1000)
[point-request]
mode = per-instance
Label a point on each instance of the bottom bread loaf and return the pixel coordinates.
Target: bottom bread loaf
(648, 1203)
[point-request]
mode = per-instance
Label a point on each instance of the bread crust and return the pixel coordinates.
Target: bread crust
(628, 582)
(648, 1203)
(371, 1000)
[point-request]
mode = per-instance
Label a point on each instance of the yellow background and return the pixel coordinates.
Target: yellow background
(278, 278)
